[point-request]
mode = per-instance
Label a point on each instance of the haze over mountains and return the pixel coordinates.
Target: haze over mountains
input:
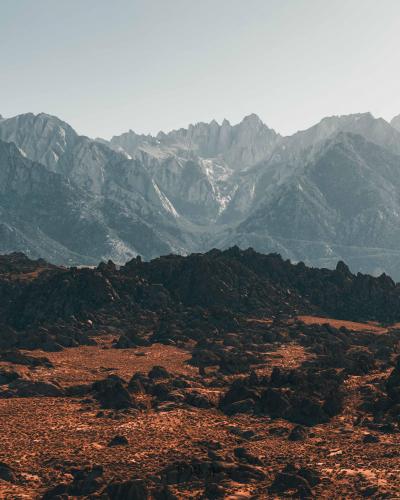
(328, 193)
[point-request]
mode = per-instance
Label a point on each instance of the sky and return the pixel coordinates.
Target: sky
(148, 65)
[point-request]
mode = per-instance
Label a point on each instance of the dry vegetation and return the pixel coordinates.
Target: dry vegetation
(43, 438)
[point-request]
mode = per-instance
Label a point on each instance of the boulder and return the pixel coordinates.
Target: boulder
(298, 433)
(24, 388)
(111, 393)
(158, 372)
(8, 375)
(118, 441)
(198, 400)
(7, 473)
(134, 489)
(243, 455)
(244, 406)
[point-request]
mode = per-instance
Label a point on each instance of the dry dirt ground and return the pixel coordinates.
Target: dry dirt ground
(41, 437)
(350, 325)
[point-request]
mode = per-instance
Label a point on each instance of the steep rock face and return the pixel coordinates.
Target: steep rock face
(45, 214)
(195, 167)
(198, 188)
(41, 137)
(38, 206)
(240, 146)
(48, 140)
(348, 186)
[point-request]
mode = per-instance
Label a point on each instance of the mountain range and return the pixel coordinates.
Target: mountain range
(328, 193)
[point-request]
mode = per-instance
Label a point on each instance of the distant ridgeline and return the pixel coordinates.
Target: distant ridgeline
(324, 194)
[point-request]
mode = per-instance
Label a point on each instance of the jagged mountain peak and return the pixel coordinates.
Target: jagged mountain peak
(32, 118)
(351, 116)
(129, 142)
(41, 137)
(54, 143)
(254, 119)
(236, 146)
(316, 195)
(376, 130)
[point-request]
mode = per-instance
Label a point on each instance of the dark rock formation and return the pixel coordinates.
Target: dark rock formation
(134, 489)
(118, 441)
(179, 298)
(23, 388)
(85, 482)
(7, 473)
(298, 433)
(111, 393)
(306, 396)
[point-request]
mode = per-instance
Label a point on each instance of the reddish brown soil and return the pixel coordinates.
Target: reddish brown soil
(350, 325)
(88, 363)
(41, 436)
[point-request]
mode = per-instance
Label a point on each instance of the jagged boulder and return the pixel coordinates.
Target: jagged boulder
(112, 393)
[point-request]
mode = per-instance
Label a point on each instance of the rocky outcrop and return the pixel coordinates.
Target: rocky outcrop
(299, 479)
(112, 393)
(23, 388)
(197, 297)
(304, 396)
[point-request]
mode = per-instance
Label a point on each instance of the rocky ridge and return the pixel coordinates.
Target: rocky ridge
(177, 297)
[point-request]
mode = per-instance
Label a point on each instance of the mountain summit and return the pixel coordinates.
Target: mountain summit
(324, 194)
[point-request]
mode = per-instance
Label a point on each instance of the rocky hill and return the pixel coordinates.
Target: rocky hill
(191, 295)
(212, 375)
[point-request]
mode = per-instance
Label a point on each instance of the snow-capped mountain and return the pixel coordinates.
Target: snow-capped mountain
(52, 142)
(117, 210)
(343, 204)
(239, 146)
(195, 166)
(326, 193)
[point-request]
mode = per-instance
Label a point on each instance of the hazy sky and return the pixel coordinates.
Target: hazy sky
(106, 66)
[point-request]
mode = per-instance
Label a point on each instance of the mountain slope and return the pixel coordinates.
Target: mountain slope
(48, 140)
(346, 196)
(195, 167)
(45, 214)
(375, 130)
(326, 193)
